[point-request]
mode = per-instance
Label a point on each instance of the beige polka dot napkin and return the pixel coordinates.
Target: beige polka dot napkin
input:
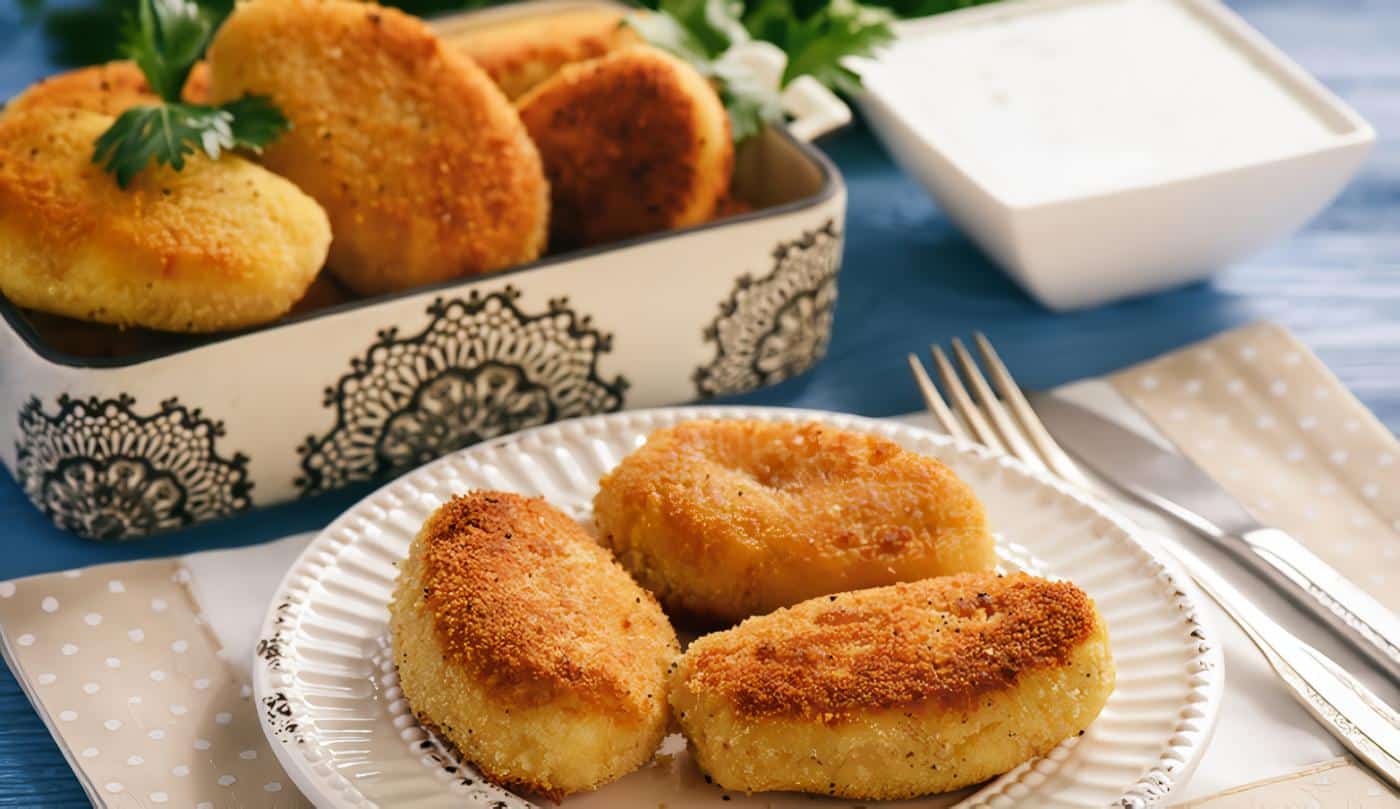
(125, 671)
(1267, 420)
(146, 691)
(1264, 417)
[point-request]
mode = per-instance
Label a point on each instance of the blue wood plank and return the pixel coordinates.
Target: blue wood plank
(910, 279)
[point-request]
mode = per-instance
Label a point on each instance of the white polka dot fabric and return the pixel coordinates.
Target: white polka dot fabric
(1265, 418)
(129, 679)
(128, 676)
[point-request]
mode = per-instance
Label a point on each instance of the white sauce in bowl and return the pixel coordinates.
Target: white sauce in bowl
(1093, 96)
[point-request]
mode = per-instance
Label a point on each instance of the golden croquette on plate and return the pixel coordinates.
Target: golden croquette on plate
(420, 161)
(895, 691)
(634, 142)
(110, 89)
(519, 54)
(521, 641)
(726, 519)
(222, 244)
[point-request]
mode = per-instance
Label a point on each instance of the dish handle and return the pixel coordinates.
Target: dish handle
(813, 109)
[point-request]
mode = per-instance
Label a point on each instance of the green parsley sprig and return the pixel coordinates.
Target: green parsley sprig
(165, 39)
(702, 32)
(817, 45)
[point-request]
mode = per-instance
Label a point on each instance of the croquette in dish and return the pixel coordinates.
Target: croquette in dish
(222, 244)
(727, 519)
(520, 640)
(898, 691)
(519, 54)
(634, 142)
(110, 89)
(421, 163)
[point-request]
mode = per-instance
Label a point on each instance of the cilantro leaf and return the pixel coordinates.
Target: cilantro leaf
(817, 44)
(165, 39)
(713, 25)
(701, 32)
(666, 32)
(256, 122)
(749, 112)
(167, 133)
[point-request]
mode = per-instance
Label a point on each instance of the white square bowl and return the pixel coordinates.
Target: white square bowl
(1092, 248)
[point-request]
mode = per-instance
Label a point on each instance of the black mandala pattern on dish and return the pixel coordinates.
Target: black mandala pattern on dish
(100, 470)
(481, 368)
(775, 327)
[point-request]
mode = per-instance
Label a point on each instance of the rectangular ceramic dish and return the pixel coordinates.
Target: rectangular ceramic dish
(115, 448)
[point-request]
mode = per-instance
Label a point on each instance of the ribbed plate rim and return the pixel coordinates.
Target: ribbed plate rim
(1181, 750)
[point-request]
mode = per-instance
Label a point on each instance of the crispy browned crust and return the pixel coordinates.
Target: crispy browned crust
(726, 519)
(522, 53)
(421, 163)
(110, 89)
(218, 245)
(633, 143)
(943, 643)
(523, 597)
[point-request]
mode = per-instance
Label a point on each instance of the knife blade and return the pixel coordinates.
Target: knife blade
(1173, 484)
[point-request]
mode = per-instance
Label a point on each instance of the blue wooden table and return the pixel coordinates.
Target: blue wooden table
(910, 279)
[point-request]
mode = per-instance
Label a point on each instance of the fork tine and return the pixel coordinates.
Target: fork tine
(1055, 458)
(936, 405)
(1011, 434)
(963, 403)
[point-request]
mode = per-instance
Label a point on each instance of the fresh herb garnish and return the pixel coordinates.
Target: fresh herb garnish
(702, 32)
(166, 39)
(818, 44)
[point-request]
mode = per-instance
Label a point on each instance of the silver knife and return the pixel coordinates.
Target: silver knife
(1356, 716)
(1174, 485)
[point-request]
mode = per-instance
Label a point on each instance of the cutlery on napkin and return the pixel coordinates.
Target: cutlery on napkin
(1262, 733)
(1175, 486)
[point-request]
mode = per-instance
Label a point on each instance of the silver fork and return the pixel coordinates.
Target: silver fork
(1002, 418)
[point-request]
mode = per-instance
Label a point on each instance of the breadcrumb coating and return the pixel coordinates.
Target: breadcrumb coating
(420, 161)
(634, 142)
(529, 648)
(896, 691)
(946, 641)
(727, 519)
(110, 89)
(222, 244)
(519, 54)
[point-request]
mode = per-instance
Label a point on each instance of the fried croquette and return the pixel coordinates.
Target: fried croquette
(420, 161)
(634, 142)
(222, 244)
(523, 643)
(110, 89)
(896, 691)
(519, 54)
(727, 519)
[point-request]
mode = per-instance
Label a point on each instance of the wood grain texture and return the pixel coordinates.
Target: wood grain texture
(911, 279)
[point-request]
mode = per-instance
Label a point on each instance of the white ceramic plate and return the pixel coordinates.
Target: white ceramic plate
(331, 706)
